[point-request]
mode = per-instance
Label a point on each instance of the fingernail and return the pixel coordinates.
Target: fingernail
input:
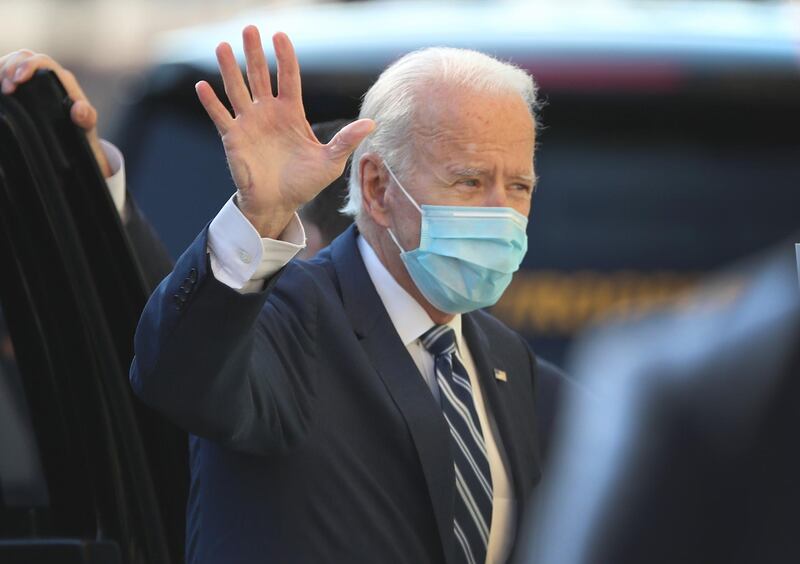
(18, 73)
(6, 88)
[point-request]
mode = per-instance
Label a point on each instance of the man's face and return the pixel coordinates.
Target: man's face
(468, 150)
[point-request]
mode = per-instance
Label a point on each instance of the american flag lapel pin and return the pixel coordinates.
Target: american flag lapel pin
(500, 375)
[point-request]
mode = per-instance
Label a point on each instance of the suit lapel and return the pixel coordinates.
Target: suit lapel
(402, 379)
(485, 365)
(424, 419)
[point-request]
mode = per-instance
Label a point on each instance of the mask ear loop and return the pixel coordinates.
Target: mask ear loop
(396, 242)
(410, 199)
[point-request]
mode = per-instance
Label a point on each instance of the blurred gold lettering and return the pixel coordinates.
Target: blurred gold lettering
(558, 304)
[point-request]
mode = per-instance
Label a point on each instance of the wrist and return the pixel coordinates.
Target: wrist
(105, 168)
(269, 225)
(101, 158)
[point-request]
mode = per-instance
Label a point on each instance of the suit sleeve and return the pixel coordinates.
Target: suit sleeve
(231, 367)
(149, 252)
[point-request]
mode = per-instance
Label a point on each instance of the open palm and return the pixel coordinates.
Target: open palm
(276, 161)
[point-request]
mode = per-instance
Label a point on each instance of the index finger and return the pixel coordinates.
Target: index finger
(9, 61)
(29, 66)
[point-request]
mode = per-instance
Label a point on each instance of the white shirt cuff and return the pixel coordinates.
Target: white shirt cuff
(240, 258)
(115, 182)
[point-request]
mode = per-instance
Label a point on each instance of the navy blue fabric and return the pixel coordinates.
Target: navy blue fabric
(314, 437)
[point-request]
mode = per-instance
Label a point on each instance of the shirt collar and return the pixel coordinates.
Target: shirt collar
(409, 318)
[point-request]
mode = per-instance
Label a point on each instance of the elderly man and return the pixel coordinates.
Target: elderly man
(358, 407)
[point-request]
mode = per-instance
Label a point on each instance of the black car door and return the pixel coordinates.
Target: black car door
(87, 474)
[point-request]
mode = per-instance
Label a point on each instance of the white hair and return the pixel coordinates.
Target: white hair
(392, 100)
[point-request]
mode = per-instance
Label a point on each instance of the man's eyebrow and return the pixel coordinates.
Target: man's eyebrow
(532, 178)
(466, 171)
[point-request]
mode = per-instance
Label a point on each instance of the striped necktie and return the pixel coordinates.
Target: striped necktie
(473, 509)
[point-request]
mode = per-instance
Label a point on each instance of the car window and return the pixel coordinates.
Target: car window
(23, 489)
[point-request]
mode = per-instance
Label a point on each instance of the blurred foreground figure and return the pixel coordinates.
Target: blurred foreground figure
(689, 451)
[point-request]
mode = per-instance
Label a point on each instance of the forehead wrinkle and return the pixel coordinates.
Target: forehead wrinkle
(459, 171)
(465, 141)
(452, 139)
(463, 134)
(485, 161)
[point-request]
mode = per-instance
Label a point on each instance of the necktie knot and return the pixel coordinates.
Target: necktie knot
(439, 340)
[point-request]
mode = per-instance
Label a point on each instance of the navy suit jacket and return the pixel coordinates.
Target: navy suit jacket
(314, 437)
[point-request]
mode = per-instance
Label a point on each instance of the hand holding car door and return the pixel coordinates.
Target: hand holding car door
(276, 161)
(20, 66)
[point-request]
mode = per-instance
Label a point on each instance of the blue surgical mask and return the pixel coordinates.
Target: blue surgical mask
(466, 254)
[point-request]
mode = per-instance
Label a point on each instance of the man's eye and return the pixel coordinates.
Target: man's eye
(527, 188)
(472, 182)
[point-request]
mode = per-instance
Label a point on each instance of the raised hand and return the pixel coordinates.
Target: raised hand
(276, 161)
(19, 67)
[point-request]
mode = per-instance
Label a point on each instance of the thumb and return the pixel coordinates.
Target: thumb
(349, 137)
(83, 115)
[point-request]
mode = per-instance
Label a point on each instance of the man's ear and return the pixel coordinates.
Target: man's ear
(374, 181)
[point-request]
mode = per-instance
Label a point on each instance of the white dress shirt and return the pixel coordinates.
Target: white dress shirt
(243, 260)
(115, 182)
